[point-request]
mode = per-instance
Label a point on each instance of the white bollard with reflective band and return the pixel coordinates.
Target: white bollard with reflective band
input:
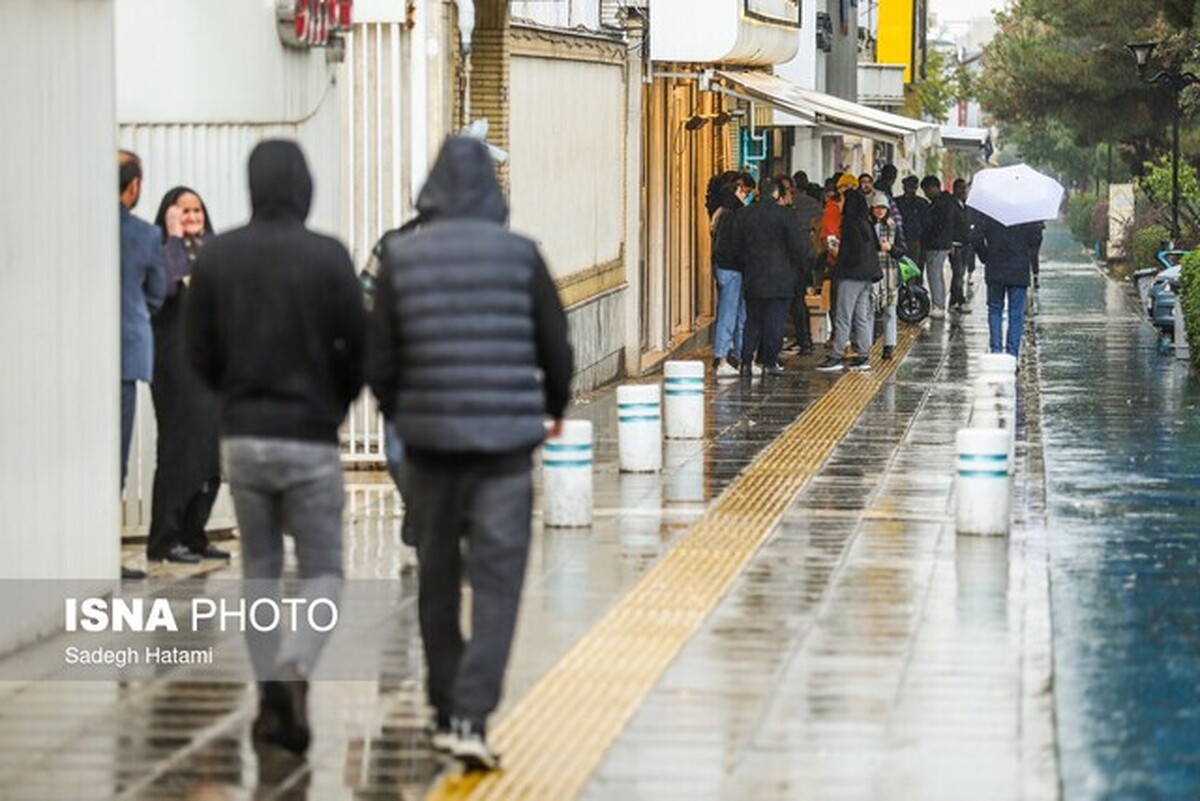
(567, 477)
(683, 391)
(1001, 363)
(983, 486)
(995, 406)
(639, 428)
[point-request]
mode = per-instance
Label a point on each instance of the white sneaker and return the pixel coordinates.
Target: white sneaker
(936, 313)
(756, 369)
(727, 370)
(469, 746)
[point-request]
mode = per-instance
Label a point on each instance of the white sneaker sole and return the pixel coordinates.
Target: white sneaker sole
(474, 756)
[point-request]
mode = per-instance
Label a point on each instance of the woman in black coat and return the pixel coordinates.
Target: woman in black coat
(188, 474)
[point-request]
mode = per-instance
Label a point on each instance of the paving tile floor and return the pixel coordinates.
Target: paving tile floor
(866, 652)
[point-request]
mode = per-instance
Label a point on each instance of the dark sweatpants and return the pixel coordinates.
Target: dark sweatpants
(473, 518)
(800, 322)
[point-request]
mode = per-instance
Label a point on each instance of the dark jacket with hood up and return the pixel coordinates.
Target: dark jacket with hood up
(274, 319)
(468, 347)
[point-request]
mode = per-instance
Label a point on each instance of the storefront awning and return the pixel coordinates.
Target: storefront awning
(964, 138)
(833, 113)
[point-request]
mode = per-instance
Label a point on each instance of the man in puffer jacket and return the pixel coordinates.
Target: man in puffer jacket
(467, 354)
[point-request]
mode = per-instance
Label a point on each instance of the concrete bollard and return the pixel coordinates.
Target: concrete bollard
(567, 477)
(999, 363)
(639, 428)
(983, 485)
(683, 388)
(995, 406)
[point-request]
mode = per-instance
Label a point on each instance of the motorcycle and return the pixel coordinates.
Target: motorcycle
(912, 298)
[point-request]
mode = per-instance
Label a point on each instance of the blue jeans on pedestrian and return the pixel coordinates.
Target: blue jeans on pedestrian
(997, 294)
(731, 314)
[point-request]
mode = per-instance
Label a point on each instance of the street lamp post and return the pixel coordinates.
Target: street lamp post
(1176, 81)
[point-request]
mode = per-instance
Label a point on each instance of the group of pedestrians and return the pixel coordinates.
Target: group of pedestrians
(264, 333)
(775, 238)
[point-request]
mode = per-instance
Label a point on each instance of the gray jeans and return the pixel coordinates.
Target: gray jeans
(935, 271)
(854, 317)
(295, 487)
(468, 517)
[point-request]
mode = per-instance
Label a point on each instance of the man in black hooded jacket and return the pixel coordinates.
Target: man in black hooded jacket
(467, 354)
(274, 324)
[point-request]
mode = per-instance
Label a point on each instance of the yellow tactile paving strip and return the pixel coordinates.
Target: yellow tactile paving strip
(555, 737)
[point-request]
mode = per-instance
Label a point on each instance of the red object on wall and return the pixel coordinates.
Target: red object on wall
(313, 21)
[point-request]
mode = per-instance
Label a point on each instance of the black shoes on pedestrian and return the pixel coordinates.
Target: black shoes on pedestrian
(180, 554)
(834, 363)
(860, 363)
(283, 715)
(183, 555)
(774, 369)
(888, 352)
(129, 573)
(831, 364)
(213, 552)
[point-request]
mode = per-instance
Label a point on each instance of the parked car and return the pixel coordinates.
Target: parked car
(1157, 287)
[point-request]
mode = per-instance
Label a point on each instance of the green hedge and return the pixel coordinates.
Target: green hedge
(1144, 244)
(1079, 218)
(1189, 300)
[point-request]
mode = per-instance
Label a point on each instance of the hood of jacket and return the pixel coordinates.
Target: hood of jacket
(462, 183)
(280, 183)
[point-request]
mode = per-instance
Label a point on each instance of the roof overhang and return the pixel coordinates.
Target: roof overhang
(835, 114)
(964, 138)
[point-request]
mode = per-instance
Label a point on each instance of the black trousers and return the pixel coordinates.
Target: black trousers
(473, 519)
(765, 320)
(800, 322)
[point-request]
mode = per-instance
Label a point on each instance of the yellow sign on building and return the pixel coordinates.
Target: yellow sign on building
(897, 29)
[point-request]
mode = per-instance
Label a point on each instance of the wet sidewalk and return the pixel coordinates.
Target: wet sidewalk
(856, 648)
(1122, 445)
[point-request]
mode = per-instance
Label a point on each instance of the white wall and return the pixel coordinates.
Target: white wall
(558, 13)
(200, 82)
(59, 309)
(567, 142)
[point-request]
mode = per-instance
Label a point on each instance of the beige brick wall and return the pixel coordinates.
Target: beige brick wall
(490, 53)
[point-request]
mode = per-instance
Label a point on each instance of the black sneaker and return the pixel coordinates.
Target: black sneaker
(180, 554)
(283, 715)
(468, 744)
(775, 369)
(888, 350)
(859, 363)
(213, 552)
(830, 364)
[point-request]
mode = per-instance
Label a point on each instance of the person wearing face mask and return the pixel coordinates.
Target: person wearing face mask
(188, 474)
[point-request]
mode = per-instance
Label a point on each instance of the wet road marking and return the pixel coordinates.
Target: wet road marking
(555, 737)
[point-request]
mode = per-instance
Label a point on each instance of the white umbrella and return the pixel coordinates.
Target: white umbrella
(1017, 194)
